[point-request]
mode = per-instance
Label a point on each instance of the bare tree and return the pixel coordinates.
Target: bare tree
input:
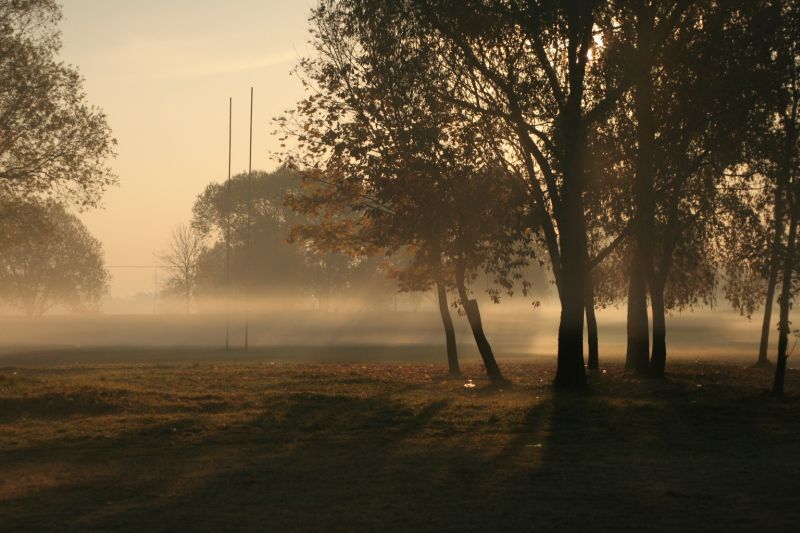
(181, 257)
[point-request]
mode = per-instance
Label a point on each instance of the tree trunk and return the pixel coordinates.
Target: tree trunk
(570, 372)
(790, 188)
(644, 194)
(774, 266)
(638, 353)
(476, 324)
(766, 325)
(658, 361)
(449, 331)
(785, 301)
(591, 326)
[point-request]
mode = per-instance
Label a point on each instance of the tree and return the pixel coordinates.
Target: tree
(251, 208)
(764, 250)
(181, 258)
(52, 142)
(783, 100)
(594, 121)
(535, 67)
(664, 162)
(390, 169)
(263, 263)
(49, 258)
(690, 121)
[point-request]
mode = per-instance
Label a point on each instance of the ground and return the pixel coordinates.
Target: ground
(392, 446)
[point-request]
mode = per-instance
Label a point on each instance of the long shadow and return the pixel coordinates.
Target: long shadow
(337, 462)
(648, 463)
(305, 452)
(55, 406)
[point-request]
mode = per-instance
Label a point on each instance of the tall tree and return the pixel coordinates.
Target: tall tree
(262, 263)
(535, 67)
(389, 167)
(688, 123)
(702, 122)
(764, 250)
(783, 20)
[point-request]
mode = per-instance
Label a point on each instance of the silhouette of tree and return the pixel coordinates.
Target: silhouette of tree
(625, 137)
(688, 124)
(51, 140)
(263, 262)
(390, 169)
(49, 258)
(181, 257)
(536, 67)
(779, 23)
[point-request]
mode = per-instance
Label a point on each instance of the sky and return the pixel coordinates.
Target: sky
(163, 71)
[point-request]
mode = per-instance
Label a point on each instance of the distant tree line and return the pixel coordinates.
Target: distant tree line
(646, 151)
(238, 245)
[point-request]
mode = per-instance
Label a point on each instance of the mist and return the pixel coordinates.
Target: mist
(291, 329)
(418, 265)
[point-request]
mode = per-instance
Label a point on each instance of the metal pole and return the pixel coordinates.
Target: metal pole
(249, 244)
(228, 230)
(155, 290)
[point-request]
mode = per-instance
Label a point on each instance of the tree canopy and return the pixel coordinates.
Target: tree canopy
(249, 214)
(628, 140)
(48, 258)
(52, 141)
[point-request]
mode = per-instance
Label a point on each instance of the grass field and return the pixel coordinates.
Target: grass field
(391, 446)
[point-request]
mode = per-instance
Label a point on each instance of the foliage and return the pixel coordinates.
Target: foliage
(623, 137)
(701, 124)
(52, 142)
(251, 212)
(49, 258)
(390, 169)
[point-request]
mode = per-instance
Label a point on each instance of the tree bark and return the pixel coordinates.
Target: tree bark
(642, 261)
(658, 282)
(591, 326)
(774, 267)
(789, 180)
(449, 331)
(766, 325)
(570, 372)
(638, 352)
(476, 324)
(785, 300)
(658, 361)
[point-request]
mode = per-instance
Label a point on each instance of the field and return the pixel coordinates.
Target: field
(268, 445)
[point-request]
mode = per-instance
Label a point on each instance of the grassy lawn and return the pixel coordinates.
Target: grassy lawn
(382, 446)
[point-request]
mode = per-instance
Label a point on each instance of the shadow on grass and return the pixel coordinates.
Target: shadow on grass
(305, 451)
(335, 462)
(688, 462)
(53, 405)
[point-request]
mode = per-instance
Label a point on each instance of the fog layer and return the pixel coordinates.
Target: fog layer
(346, 332)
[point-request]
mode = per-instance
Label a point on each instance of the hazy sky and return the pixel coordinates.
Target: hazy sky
(163, 71)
